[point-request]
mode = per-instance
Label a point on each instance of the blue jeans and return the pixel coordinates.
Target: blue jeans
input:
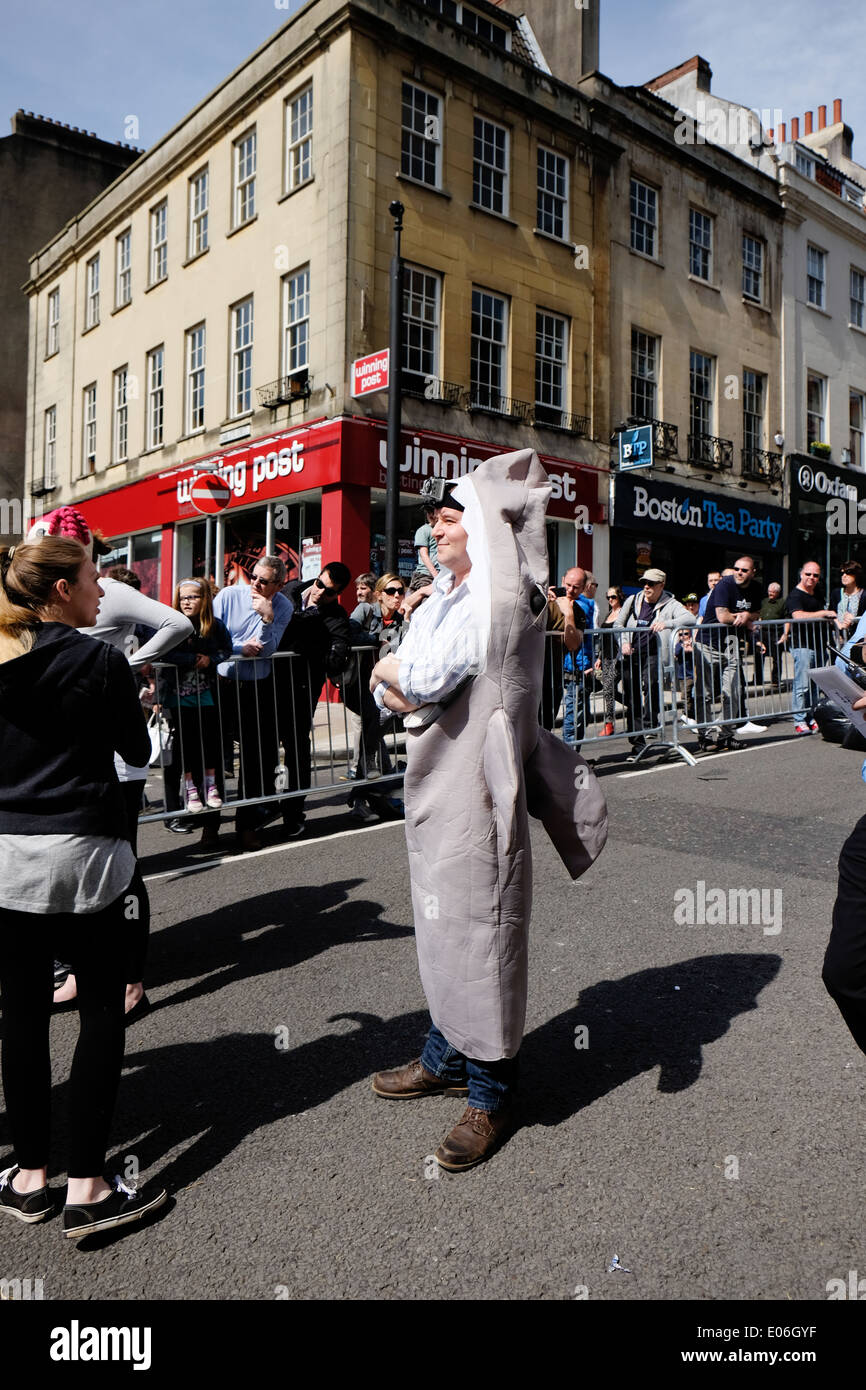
(802, 699)
(573, 718)
(491, 1084)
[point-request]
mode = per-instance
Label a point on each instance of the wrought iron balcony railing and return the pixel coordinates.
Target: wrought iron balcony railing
(761, 465)
(481, 398)
(285, 390)
(547, 418)
(665, 436)
(706, 451)
(432, 388)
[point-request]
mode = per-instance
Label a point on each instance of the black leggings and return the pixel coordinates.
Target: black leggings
(28, 944)
(845, 962)
(137, 925)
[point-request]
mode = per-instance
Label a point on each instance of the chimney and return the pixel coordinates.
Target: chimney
(770, 135)
(837, 110)
(808, 123)
(795, 127)
(822, 117)
(782, 133)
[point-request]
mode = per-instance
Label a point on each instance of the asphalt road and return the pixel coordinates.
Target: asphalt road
(709, 1133)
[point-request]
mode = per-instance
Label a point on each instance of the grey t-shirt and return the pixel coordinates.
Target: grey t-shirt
(63, 873)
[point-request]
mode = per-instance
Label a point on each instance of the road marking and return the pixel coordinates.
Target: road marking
(732, 753)
(269, 849)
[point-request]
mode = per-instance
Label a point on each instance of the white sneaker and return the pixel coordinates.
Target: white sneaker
(213, 798)
(193, 800)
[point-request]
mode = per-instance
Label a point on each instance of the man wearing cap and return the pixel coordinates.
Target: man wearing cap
(654, 610)
(735, 602)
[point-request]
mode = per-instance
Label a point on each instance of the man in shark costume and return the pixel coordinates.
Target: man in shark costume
(468, 681)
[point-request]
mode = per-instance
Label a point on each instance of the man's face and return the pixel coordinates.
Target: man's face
(573, 582)
(713, 578)
(324, 590)
(653, 592)
(809, 576)
(451, 537)
(264, 581)
(774, 591)
(744, 570)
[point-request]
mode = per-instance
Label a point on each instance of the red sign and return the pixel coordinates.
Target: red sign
(370, 373)
(209, 493)
(324, 454)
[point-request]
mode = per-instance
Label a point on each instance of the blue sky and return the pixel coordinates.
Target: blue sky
(94, 63)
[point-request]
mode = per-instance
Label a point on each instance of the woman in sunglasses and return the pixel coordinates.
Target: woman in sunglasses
(390, 593)
(608, 662)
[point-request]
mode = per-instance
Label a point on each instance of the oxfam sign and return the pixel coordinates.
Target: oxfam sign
(822, 484)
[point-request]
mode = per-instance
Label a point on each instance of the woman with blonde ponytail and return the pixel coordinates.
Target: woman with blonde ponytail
(67, 703)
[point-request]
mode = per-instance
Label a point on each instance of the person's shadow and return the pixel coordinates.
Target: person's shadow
(661, 1017)
(261, 936)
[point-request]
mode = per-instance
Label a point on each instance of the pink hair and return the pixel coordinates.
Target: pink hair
(66, 522)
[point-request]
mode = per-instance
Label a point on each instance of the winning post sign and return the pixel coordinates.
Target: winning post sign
(209, 493)
(370, 373)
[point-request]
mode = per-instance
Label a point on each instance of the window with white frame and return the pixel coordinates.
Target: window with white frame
(490, 166)
(242, 357)
(123, 269)
(49, 456)
(155, 405)
(120, 437)
(816, 267)
(644, 374)
(296, 321)
(552, 194)
(856, 407)
(488, 348)
(753, 268)
(551, 366)
(91, 311)
(299, 139)
(421, 139)
(754, 396)
(195, 363)
(422, 292)
(244, 178)
(857, 310)
(88, 440)
(52, 340)
(199, 192)
(159, 242)
(643, 206)
(805, 165)
(701, 376)
(816, 398)
(700, 244)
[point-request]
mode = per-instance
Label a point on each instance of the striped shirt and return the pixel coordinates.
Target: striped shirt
(442, 646)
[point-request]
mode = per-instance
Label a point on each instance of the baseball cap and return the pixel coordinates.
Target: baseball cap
(691, 598)
(653, 577)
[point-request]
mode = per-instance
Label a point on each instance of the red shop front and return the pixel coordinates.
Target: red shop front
(323, 484)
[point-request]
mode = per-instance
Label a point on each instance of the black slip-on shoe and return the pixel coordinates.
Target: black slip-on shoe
(122, 1206)
(26, 1206)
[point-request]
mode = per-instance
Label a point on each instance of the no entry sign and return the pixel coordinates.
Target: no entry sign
(209, 493)
(370, 373)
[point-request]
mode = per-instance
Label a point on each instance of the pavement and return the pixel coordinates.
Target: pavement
(691, 1101)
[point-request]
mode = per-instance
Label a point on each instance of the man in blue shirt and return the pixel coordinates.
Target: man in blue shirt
(256, 618)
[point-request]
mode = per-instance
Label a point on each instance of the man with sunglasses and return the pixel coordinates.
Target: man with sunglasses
(320, 638)
(256, 616)
(735, 602)
(807, 643)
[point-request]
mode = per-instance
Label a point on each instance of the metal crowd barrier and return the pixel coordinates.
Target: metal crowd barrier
(272, 740)
(684, 684)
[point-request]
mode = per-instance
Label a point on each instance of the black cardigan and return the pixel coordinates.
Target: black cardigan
(66, 706)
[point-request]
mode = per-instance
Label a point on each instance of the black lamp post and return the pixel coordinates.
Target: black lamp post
(395, 394)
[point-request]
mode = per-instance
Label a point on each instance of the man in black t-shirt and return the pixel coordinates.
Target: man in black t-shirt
(735, 602)
(807, 643)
